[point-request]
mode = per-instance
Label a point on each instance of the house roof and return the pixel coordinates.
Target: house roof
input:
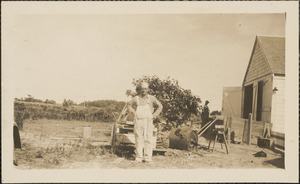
(274, 50)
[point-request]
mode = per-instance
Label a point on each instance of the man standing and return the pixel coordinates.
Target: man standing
(205, 113)
(143, 121)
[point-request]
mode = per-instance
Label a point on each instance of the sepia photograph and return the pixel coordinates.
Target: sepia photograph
(149, 92)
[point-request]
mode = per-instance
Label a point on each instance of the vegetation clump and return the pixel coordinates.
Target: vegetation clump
(179, 105)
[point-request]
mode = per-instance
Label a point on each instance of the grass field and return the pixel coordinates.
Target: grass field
(55, 144)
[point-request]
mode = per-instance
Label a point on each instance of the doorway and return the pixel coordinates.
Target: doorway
(248, 96)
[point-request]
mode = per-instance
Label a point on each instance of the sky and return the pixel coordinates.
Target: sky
(96, 56)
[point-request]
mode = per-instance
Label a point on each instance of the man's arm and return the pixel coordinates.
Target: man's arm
(159, 109)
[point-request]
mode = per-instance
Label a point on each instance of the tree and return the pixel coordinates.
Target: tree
(71, 102)
(65, 103)
(178, 103)
(29, 98)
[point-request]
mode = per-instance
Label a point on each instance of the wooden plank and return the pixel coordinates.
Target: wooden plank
(237, 126)
(258, 128)
(246, 131)
(228, 130)
(227, 122)
(205, 127)
(66, 138)
(264, 129)
(254, 100)
(228, 135)
(278, 134)
(250, 128)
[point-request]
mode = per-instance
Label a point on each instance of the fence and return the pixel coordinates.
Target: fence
(248, 131)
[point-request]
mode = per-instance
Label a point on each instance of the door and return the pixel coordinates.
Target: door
(231, 103)
(248, 100)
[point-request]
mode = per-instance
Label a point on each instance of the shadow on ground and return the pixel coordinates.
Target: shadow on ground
(125, 151)
(278, 162)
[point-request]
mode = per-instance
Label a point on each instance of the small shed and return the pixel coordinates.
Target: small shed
(263, 90)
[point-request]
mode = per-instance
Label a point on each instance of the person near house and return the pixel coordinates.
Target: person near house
(205, 113)
(143, 121)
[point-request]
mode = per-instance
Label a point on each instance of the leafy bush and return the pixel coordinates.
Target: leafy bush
(178, 104)
(50, 101)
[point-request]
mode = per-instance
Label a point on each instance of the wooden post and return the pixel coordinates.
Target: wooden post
(229, 129)
(249, 128)
(254, 101)
(245, 131)
(264, 130)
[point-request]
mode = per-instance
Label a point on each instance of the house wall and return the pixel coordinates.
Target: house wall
(258, 65)
(273, 103)
(278, 105)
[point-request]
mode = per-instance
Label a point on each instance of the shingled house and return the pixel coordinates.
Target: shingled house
(263, 90)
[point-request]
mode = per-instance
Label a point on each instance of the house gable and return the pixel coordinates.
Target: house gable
(274, 50)
(258, 64)
(268, 56)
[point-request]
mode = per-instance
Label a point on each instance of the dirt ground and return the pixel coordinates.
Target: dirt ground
(53, 144)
